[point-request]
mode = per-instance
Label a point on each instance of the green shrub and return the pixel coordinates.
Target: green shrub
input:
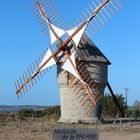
(53, 112)
(25, 113)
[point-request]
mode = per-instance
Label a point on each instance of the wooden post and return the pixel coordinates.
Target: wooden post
(42, 125)
(116, 118)
(19, 125)
(16, 119)
(100, 121)
(120, 124)
(100, 118)
(96, 123)
(131, 117)
(32, 117)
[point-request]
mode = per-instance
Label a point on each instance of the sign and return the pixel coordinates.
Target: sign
(75, 134)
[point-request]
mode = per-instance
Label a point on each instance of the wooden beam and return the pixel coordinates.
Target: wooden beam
(115, 99)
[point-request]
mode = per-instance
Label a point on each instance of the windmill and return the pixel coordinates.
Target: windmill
(81, 92)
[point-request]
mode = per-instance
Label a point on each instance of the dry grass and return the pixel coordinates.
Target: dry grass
(31, 129)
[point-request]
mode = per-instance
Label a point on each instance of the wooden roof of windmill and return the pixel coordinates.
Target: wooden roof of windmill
(90, 52)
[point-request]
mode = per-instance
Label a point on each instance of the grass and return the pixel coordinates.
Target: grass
(32, 127)
(3, 124)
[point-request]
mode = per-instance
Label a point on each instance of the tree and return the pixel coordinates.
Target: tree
(136, 105)
(110, 107)
(136, 108)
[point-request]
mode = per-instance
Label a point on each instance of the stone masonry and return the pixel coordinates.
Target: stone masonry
(97, 65)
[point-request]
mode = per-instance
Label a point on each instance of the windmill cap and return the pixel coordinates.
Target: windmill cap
(89, 52)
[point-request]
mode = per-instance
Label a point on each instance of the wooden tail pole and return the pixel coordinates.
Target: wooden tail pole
(115, 99)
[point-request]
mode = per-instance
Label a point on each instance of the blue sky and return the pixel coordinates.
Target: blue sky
(21, 41)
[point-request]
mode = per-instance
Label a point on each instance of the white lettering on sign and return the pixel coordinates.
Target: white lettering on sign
(75, 134)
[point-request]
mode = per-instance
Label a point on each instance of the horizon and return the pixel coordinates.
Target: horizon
(22, 41)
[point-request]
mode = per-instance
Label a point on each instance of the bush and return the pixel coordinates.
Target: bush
(25, 113)
(136, 113)
(110, 108)
(50, 112)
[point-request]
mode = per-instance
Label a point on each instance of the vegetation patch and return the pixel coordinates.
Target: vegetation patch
(53, 112)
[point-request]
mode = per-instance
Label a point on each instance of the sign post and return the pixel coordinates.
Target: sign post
(75, 134)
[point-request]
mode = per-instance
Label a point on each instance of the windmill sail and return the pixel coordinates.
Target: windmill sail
(60, 33)
(98, 12)
(35, 72)
(78, 36)
(69, 67)
(51, 62)
(49, 7)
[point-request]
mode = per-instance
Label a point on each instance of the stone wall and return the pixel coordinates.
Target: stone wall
(71, 109)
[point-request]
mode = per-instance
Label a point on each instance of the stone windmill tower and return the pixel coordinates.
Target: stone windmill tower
(96, 64)
(82, 68)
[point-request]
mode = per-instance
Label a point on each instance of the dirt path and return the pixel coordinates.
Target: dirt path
(103, 136)
(119, 136)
